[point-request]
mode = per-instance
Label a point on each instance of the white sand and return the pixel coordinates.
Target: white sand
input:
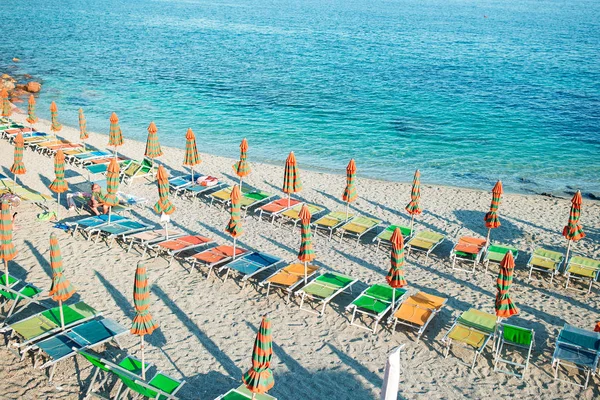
(207, 327)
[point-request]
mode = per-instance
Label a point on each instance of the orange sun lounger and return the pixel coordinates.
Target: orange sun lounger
(215, 256)
(467, 249)
(289, 278)
(276, 207)
(176, 247)
(417, 311)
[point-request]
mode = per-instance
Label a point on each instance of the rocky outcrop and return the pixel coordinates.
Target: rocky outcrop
(33, 87)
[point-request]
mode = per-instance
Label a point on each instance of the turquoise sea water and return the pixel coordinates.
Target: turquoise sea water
(469, 91)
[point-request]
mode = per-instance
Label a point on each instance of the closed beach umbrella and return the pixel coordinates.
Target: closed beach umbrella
(504, 306)
(153, 149)
(6, 109)
(350, 193)
(491, 218)
(61, 289)
(291, 177)
(191, 151)
(395, 276)
(306, 253)
(234, 227)
(142, 323)
(573, 231)
(83, 133)
(110, 199)
(31, 117)
(59, 185)
(241, 167)
(259, 379)
(18, 167)
(55, 126)
(413, 207)
(115, 136)
(163, 205)
(7, 248)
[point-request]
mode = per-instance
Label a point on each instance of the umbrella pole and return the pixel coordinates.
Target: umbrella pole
(412, 222)
(347, 209)
(305, 271)
(192, 168)
(143, 364)
(567, 255)
(487, 240)
(6, 283)
(167, 230)
(57, 205)
(234, 248)
(109, 211)
(253, 396)
(62, 316)
(14, 181)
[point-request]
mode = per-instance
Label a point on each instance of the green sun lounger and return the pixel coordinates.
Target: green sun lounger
(472, 329)
(511, 336)
(253, 199)
(292, 215)
(583, 269)
(223, 195)
(424, 242)
(160, 386)
(331, 222)
(495, 253)
(242, 393)
(138, 169)
(17, 291)
(385, 236)
(579, 348)
(375, 302)
(545, 261)
(323, 289)
(357, 227)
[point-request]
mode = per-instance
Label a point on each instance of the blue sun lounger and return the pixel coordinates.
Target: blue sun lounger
(179, 183)
(89, 223)
(579, 348)
(119, 229)
(250, 265)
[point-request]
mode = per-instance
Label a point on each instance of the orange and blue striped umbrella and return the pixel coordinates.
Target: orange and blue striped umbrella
(242, 168)
(350, 193)
(153, 149)
(504, 306)
(31, 117)
(59, 185)
(115, 136)
(83, 133)
(291, 177)
(55, 126)
(61, 289)
(191, 157)
(142, 323)
(306, 253)
(18, 167)
(259, 379)
(6, 109)
(163, 205)
(491, 218)
(7, 248)
(112, 184)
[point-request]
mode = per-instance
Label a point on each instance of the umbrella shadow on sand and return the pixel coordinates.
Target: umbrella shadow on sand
(473, 220)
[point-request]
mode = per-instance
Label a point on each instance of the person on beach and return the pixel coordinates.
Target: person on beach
(94, 202)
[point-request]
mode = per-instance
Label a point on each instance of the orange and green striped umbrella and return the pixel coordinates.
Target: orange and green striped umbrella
(395, 276)
(7, 248)
(259, 379)
(59, 185)
(413, 207)
(61, 289)
(6, 109)
(291, 177)
(234, 227)
(491, 218)
(350, 193)
(163, 205)
(153, 149)
(56, 126)
(242, 168)
(306, 253)
(115, 136)
(112, 185)
(18, 167)
(191, 151)
(83, 133)
(31, 117)
(573, 231)
(504, 306)
(142, 323)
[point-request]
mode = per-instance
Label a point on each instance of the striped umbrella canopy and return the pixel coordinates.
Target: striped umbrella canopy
(191, 151)
(504, 306)
(234, 227)
(413, 207)
(350, 193)
(259, 379)
(56, 126)
(115, 136)
(395, 276)
(573, 231)
(31, 117)
(83, 133)
(142, 323)
(291, 177)
(18, 167)
(163, 205)
(491, 218)
(7, 248)
(153, 149)
(242, 168)
(112, 186)
(59, 185)
(306, 253)
(6, 109)
(61, 289)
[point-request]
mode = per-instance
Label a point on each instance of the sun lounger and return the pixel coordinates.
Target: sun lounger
(545, 261)
(417, 311)
(81, 158)
(583, 269)
(250, 264)
(26, 194)
(178, 183)
(385, 236)
(375, 302)
(89, 223)
(51, 149)
(271, 209)
(195, 190)
(149, 237)
(511, 336)
(220, 196)
(292, 214)
(253, 199)
(325, 288)
(17, 291)
(469, 250)
(35, 137)
(118, 230)
(424, 242)
(179, 247)
(138, 169)
(75, 150)
(131, 200)
(357, 227)
(242, 393)
(495, 253)
(289, 278)
(472, 329)
(101, 168)
(215, 256)
(66, 344)
(160, 386)
(579, 348)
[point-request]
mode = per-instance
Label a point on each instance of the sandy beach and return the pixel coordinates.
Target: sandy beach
(207, 326)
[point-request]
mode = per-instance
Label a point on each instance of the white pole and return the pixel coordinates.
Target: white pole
(305, 272)
(62, 316)
(234, 248)
(567, 256)
(143, 363)
(487, 240)
(192, 168)
(58, 206)
(109, 211)
(412, 220)
(167, 230)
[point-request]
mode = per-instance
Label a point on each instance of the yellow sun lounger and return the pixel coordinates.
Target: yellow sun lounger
(289, 278)
(546, 261)
(425, 242)
(582, 268)
(331, 222)
(293, 214)
(358, 227)
(417, 311)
